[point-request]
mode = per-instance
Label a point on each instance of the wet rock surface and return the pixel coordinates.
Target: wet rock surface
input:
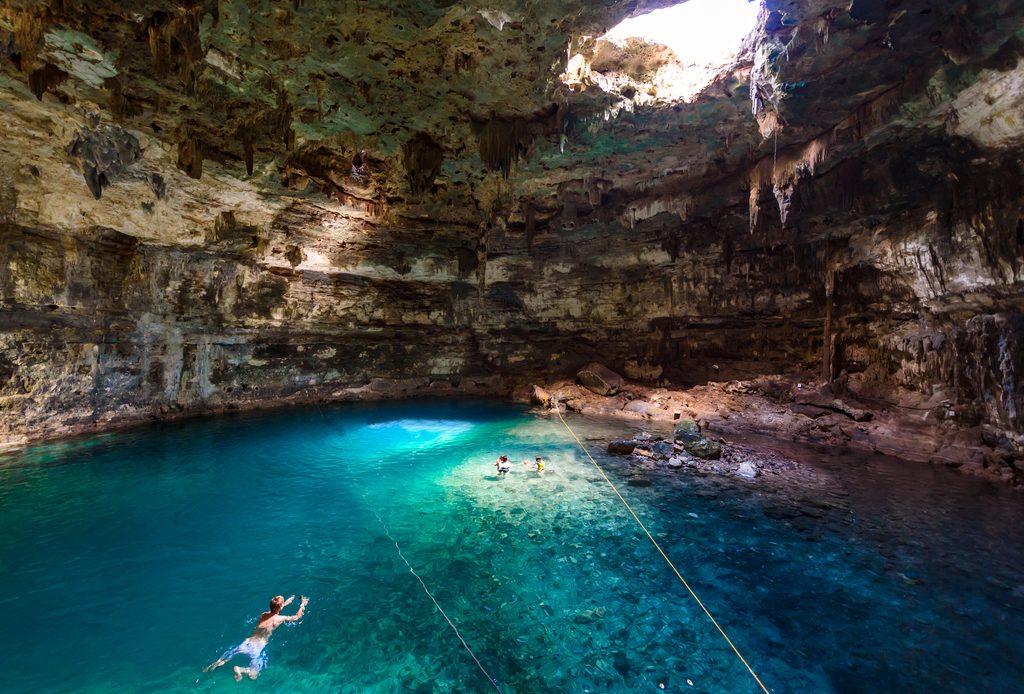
(697, 418)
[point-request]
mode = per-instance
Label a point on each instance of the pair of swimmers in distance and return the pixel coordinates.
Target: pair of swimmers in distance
(253, 646)
(503, 466)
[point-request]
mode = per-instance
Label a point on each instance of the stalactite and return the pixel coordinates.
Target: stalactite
(122, 102)
(871, 114)
(784, 199)
(504, 142)
(783, 172)
(45, 79)
(190, 154)
(29, 29)
(248, 153)
(423, 159)
(823, 26)
(177, 37)
(159, 44)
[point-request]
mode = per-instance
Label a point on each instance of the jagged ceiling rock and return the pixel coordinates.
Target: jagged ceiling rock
(253, 89)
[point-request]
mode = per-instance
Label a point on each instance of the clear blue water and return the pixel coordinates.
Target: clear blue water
(129, 561)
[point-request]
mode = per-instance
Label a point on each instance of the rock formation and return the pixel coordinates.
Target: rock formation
(214, 204)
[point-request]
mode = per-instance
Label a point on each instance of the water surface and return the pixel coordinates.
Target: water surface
(128, 561)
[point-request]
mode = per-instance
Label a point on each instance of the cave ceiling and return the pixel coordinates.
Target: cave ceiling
(417, 114)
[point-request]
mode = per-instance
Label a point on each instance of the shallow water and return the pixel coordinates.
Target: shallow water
(128, 561)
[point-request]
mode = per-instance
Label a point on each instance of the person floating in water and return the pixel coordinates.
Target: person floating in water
(502, 465)
(254, 645)
(538, 464)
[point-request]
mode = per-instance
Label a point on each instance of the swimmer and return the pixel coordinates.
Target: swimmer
(502, 465)
(253, 646)
(538, 464)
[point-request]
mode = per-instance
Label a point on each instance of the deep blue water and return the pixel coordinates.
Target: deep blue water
(129, 561)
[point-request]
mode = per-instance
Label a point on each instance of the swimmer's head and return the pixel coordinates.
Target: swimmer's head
(276, 603)
(538, 458)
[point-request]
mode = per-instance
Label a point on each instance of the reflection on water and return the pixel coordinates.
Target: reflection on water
(129, 561)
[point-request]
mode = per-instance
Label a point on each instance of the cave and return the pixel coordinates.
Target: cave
(751, 316)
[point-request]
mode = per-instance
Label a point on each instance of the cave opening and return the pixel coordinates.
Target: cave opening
(665, 55)
(701, 33)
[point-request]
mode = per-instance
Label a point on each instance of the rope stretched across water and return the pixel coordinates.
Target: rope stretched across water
(426, 590)
(661, 552)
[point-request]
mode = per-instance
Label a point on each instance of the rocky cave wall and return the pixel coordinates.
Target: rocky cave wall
(209, 205)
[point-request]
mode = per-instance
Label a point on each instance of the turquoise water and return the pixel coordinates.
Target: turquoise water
(129, 561)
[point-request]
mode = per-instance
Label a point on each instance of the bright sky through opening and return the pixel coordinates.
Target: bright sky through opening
(700, 32)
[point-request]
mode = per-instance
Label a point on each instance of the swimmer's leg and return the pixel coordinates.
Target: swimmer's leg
(253, 671)
(228, 655)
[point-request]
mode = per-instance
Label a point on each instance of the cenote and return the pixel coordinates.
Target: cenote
(132, 559)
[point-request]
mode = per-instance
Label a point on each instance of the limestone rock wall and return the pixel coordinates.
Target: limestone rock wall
(217, 205)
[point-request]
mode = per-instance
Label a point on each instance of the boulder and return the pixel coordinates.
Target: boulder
(675, 463)
(622, 447)
(541, 396)
(639, 406)
(748, 470)
(599, 379)
(663, 450)
(687, 431)
(703, 448)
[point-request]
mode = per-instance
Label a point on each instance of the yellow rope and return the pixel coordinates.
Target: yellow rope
(662, 553)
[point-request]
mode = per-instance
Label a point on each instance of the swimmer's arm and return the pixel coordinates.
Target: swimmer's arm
(288, 602)
(298, 615)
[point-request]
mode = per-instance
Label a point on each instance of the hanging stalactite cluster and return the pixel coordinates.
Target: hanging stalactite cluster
(423, 159)
(504, 141)
(174, 40)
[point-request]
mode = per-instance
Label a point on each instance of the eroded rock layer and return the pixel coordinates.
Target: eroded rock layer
(219, 204)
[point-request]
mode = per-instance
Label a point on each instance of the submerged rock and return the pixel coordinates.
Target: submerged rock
(623, 447)
(599, 379)
(589, 616)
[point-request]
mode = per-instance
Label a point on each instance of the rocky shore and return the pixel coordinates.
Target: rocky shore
(793, 407)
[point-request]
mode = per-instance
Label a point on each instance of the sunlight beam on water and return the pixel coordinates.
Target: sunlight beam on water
(399, 437)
